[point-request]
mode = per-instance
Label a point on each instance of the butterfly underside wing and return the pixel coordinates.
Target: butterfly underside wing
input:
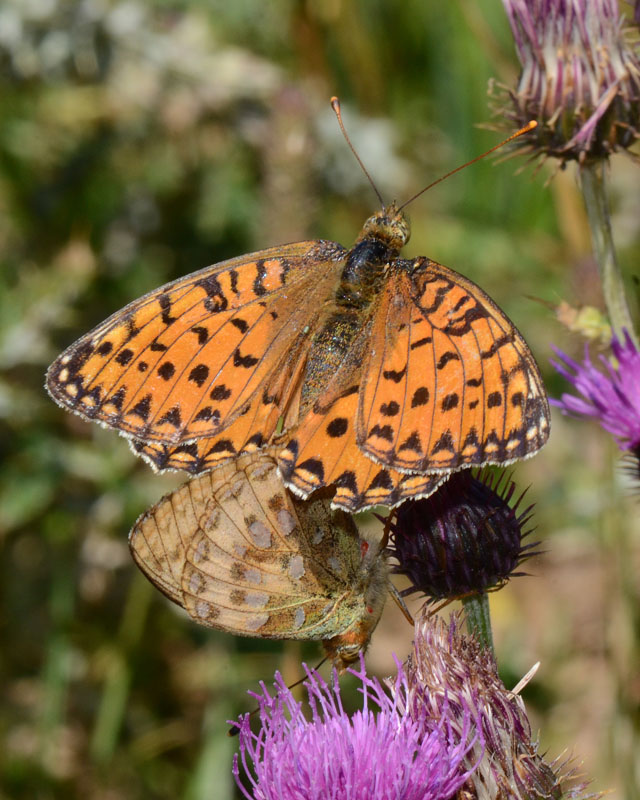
(241, 554)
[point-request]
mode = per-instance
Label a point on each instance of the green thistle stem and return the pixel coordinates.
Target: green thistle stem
(596, 198)
(479, 619)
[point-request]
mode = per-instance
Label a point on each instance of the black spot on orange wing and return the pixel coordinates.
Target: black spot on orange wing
(450, 401)
(261, 274)
(142, 408)
(202, 333)
(117, 399)
(165, 304)
(257, 440)
(471, 440)
(389, 409)
(221, 446)
(199, 374)
(233, 280)
(207, 413)
(445, 442)
(506, 339)
(124, 357)
(337, 427)
(216, 300)
(494, 400)
(220, 392)
(420, 397)
(348, 480)
(395, 375)
(413, 443)
(445, 358)
(381, 480)
(243, 361)
(240, 324)
(421, 342)
(166, 370)
(383, 431)
(104, 349)
(314, 466)
(132, 328)
(172, 417)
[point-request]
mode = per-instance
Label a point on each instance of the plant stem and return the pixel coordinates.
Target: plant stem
(479, 619)
(596, 198)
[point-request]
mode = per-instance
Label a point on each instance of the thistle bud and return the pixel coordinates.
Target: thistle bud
(464, 539)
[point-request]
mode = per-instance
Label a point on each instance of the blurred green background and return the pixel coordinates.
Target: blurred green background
(140, 141)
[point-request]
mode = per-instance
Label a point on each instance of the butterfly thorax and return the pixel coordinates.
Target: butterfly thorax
(361, 281)
(382, 237)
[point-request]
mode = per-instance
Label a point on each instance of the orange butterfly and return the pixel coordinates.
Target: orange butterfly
(240, 554)
(377, 375)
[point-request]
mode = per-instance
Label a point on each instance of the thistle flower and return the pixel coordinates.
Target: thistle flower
(385, 750)
(610, 395)
(508, 766)
(580, 78)
(464, 539)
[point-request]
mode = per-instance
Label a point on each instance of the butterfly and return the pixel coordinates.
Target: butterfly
(375, 374)
(243, 555)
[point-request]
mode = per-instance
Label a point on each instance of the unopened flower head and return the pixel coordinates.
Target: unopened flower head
(449, 668)
(609, 394)
(383, 750)
(580, 78)
(464, 539)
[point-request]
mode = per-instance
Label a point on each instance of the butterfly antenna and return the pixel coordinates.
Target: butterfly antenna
(528, 127)
(335, 105)
(234, 730)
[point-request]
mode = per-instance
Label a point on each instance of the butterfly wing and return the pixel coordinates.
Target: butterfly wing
(241, 555)
(323, 451)
(448, 382)
(247, 433)
(188, 359)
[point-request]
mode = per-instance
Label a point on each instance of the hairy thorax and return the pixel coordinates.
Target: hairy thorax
(361, 281)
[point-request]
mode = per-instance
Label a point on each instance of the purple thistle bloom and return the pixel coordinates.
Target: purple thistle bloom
(611, 396)
(580, 78)
(385, 750)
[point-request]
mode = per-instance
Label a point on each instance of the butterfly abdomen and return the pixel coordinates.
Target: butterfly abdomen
(329, 349)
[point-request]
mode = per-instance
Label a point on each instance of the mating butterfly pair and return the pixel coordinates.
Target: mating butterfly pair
(361, 371)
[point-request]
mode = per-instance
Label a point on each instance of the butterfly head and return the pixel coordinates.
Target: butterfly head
(389, 225)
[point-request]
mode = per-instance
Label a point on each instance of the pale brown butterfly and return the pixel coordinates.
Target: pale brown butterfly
(241, 554)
